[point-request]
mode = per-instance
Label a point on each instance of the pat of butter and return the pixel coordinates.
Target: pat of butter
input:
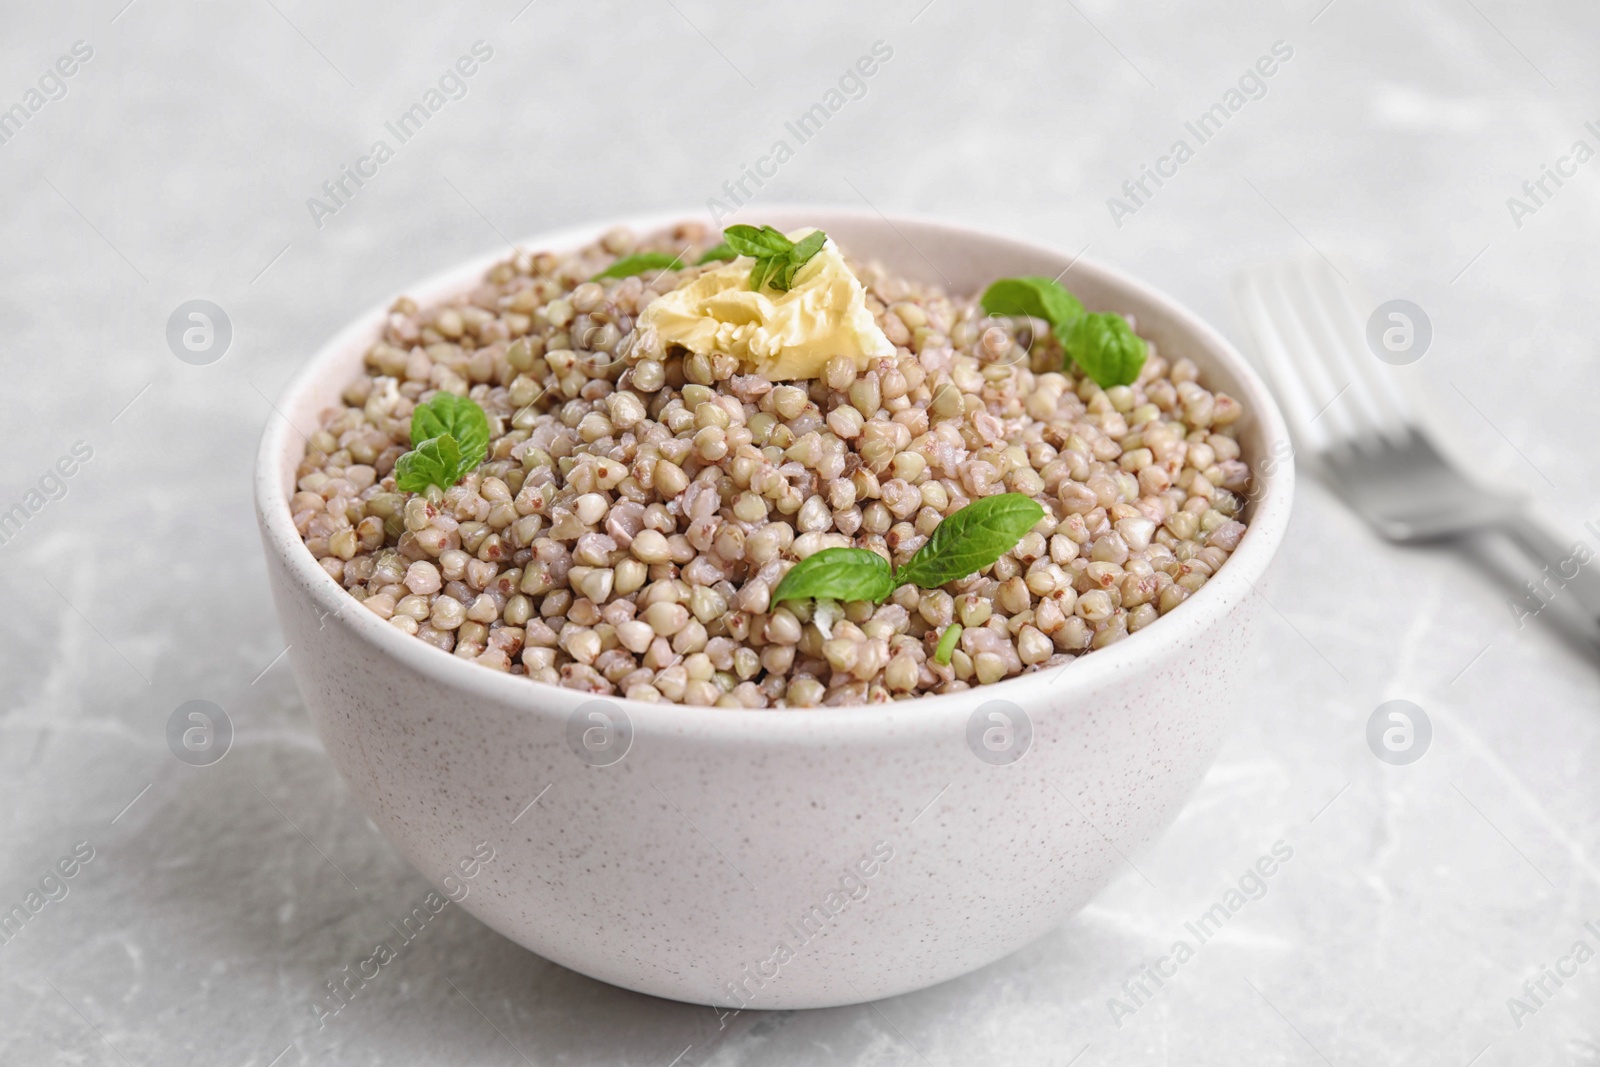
(780, 336)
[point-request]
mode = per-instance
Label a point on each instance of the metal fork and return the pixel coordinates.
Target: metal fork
(1355, 426)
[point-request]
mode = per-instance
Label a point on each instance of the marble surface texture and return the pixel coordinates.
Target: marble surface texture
(175, 163)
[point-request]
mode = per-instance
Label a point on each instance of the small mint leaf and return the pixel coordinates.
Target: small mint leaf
(436, 461)
(749, 241)
(777, 258)
(809, 246)
(1107, 349)
(1039, 298)
(764, 268)
(628, 266)
(971, 539)
(837, 574)
(462, 419)
(720, 254)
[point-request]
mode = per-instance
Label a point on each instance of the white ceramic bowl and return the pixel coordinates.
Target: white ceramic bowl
(781, 859)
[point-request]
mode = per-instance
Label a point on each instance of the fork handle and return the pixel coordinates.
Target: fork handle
(1568, 578)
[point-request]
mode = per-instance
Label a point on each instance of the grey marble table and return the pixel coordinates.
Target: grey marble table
(176, 161)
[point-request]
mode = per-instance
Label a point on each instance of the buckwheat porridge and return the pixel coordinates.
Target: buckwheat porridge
(655, 450)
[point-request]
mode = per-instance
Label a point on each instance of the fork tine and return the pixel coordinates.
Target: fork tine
(1325, 385)
(1380, 380)
(1372, 393)
(1345, 409)
(1262, 319)
(1306, 362)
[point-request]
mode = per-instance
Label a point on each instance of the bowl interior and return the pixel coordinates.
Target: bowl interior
(963, 261)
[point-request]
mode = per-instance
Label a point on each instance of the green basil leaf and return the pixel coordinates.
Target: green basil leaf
(436, 461)
(777, 258)
(764, 268)
(837, 574)
(749, 241)
(628, 266)
(720, 254)
(460, 418)
(1107, 349)
(971, 539)
(782, 279)
(1040, 298)
(785, 276)
(809, 246)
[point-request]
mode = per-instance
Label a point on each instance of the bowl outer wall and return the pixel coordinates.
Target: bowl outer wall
(680, 869)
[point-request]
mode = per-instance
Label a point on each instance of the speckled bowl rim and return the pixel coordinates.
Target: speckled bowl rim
(919, 716)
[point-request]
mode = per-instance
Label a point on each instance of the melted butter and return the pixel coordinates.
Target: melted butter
(781, 336)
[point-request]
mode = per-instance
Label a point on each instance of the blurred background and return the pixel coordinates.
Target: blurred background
(175, 163)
